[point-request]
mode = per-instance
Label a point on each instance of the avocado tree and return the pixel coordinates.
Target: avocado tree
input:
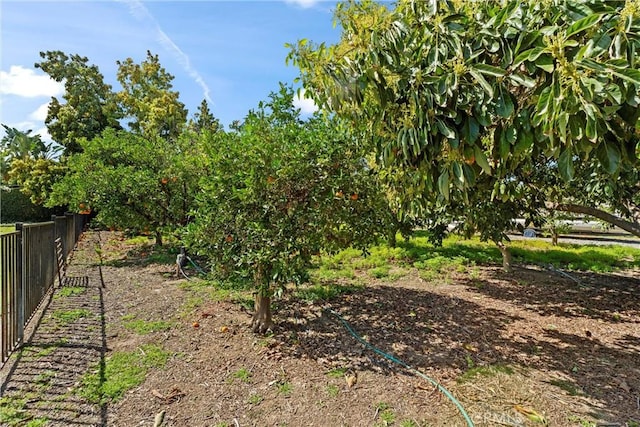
(463, 96)
(147, 98)
(282, 190)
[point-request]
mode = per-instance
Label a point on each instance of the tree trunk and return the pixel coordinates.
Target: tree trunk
(158, 238)
(554, 237)
(261, 322)
(506, 257)
(391, 237)
(631, 227)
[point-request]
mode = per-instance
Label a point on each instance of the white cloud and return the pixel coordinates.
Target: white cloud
(305, 4)
(41, 113)
(44, 134)
(306, 105)
(141, 13)
(25, 82)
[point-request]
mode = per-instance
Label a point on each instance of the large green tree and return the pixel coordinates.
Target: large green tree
(132, 181)
(282, 190)
(147, 98)
(463, 96)
(89, 105)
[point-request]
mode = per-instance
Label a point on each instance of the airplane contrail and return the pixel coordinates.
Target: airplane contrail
(140, 12)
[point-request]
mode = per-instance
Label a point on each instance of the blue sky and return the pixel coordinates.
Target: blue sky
(230, 52)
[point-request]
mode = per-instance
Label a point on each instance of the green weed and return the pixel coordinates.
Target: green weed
(255, 399)
(69, 292)
(243, 375)
(486, 371)
(70, 316)
(337, 372)
(333, 390)
(120, 372)
(386, 414)
(285, 388)
(13, 412)
(143, 327)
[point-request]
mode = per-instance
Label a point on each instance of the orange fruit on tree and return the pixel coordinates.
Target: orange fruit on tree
(229, 238)
(354, 196)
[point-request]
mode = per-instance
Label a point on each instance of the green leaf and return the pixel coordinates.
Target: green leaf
(481, 80)
(627, 74)
(565, 165)
(523, 80)
(445, 130)
(443, 184)
(469, 175)
(481, 159)
(504, 104)
(525, 141)
(546, 63)
(609, 155)
(471, 129)
(490, 70)
(582, 24)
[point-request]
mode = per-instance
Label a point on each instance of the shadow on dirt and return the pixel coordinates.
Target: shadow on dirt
(68, 340)
(449, 334)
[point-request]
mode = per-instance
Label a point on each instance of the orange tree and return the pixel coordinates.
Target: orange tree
(282, 190)
(133, 182)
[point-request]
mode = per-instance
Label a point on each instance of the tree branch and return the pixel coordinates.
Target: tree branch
(629, 226)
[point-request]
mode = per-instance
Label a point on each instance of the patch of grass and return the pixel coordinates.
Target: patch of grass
(144, 327)
(255, 399)
(13, 412)
(408, 423)
(337, 372)
(243, 375)
(325, 274)
(386, 414)
(285, 388)
(580, 421)
(314, 293)
(120, 372)
(485, 371)
(43, 380)
(69, 292)
(567, 386)
(333, 390)
(70, 316)
(6, 228)
(380, 272)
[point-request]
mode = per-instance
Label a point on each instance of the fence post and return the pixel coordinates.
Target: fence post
(21, 306)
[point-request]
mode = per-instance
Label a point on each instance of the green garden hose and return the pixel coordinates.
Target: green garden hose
(392, 358)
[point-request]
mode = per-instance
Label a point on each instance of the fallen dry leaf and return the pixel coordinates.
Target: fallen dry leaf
(351, 378)
(531, 414)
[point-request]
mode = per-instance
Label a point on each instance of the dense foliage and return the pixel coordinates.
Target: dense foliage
(280, 191)
(133, 182)
(467, 97)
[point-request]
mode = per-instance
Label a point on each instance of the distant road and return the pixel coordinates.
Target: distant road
(589, 239)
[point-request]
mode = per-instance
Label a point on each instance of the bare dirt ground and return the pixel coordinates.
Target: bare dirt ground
(505, 345)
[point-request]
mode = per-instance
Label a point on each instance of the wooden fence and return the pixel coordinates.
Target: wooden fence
(28, 271)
